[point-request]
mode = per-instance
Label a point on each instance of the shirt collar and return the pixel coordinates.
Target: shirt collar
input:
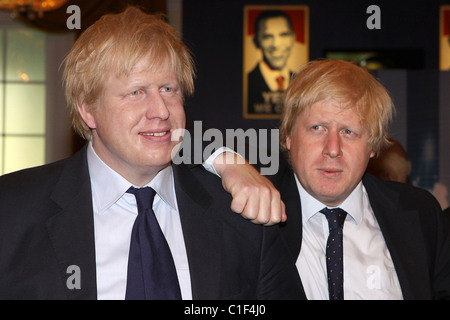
(270, 75)
(164, 186)
(353, 205)
(108, 186)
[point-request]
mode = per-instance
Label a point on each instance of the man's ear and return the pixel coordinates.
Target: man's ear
(86, 114)
(288, 143)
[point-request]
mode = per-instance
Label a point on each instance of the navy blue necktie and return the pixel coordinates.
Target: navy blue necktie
(151, 270)
(334, 252)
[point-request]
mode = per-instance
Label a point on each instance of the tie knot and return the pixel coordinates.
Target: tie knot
(335, 217)
(144, 197)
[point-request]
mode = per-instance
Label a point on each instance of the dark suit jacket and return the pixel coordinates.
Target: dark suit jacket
(46, 225)
(256, 85)
(412, 223)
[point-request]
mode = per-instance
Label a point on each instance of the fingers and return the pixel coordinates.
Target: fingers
(254, 196)
(283, 212)
(261, 205)
(276, 212)
(273, 212)
(239, 203)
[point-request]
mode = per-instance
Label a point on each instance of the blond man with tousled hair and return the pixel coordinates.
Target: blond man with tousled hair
(96, 51)
(339, 80)
(115, 45)
(67, 228)
(395, 239)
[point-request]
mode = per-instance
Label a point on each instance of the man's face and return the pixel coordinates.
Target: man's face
(134, 119)
(329, 151)
(275, 40)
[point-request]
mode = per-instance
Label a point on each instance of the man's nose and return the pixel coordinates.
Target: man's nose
(156, 106)
(332, 147)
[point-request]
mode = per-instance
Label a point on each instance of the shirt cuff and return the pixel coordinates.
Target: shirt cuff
(208, 164)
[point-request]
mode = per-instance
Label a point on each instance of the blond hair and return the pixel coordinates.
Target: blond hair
(352, 85)
(111, 47)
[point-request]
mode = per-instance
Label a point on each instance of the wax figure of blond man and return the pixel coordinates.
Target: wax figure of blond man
(396, 241)
(66, 227)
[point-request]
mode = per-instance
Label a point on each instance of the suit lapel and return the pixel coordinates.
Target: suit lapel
(292, 229)
(401, 231)
(71, 229)
(204, 263)
(400, 228)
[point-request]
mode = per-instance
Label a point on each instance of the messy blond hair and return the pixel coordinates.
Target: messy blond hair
(352, 85)
(111, 47)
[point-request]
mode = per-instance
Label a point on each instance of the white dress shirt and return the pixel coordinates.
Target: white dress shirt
(369, 272)
(114, 215)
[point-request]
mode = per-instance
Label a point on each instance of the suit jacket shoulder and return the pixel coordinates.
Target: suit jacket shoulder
(417, 235)
(411, 221)
(46, 230)
(229, 257)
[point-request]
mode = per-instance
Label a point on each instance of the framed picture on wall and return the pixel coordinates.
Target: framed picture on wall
(444, 38)
(276, 43)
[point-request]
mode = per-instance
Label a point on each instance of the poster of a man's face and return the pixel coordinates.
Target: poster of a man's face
(275, 37)
(444, 38)
(275, 44)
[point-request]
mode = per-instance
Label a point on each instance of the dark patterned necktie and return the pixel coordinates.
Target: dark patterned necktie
(334, 252)
(151, 270)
